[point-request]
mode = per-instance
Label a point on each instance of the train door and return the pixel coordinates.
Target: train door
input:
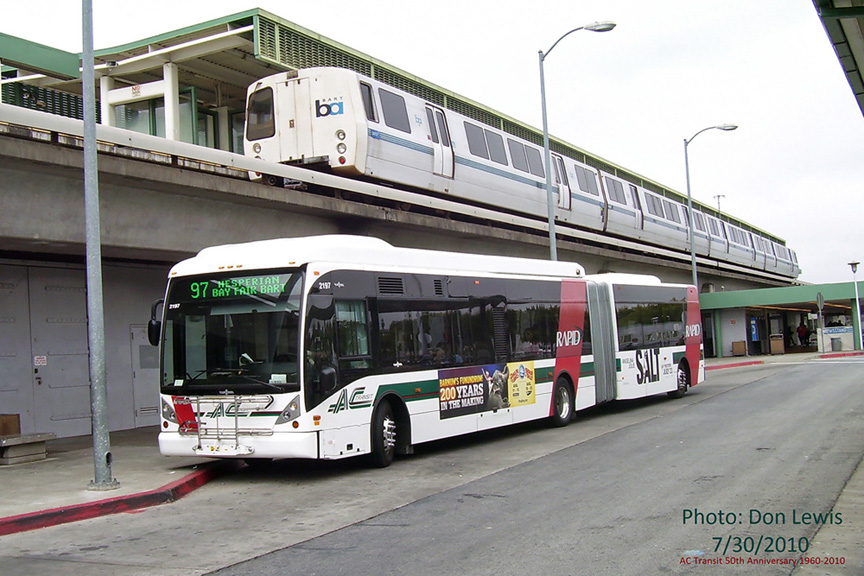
(637, 206)
(562, 182)
(603, 341)
(439, 135)
(294, 121)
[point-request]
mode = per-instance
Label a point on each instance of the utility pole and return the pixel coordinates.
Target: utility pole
(95, 306)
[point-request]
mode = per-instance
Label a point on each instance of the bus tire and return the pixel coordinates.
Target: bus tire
(683, 381)
(562, 403)
(383, 436)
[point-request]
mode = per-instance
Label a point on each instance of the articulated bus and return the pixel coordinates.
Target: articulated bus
(335, 346)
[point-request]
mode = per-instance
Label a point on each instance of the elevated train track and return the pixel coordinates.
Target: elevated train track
(350, 202)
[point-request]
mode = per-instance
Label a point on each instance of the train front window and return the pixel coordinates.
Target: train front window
(234, 334)
(260, 120)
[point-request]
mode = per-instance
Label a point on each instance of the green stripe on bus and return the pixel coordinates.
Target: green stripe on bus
(411, 391)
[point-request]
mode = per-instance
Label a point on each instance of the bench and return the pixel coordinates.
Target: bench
(20, 448)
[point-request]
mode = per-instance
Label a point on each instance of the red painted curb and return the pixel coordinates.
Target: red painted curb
(77, 512)
(841, 354)
(735, 365)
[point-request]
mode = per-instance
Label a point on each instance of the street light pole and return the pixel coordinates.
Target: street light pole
(726, 128)
(102, 457)
(856, 322)
(550, 205)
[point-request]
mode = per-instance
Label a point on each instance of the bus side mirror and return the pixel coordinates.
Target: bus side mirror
(154, 327)
(327, 380)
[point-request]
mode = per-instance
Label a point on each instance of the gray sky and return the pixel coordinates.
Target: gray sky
(630, 96)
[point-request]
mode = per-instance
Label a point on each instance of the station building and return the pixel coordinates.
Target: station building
(784, 320)
(189, 86)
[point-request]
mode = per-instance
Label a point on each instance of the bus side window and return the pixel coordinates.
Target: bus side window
(321, 358)
(353, 336)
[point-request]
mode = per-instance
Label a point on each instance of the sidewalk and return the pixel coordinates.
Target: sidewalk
(54, 491)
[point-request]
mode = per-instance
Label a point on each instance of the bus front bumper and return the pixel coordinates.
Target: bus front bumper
(277, 445)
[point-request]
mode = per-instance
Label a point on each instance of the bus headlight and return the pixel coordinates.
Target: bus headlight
(341, 148)
(291, 412)
(168, 412)
(340, 134)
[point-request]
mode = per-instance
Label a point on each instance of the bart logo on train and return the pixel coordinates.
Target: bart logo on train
(323, 109)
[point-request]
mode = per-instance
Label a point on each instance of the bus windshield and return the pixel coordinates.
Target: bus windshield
(232, 334)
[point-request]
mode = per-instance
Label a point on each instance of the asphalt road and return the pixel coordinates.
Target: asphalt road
(606, 495)
(633, 501)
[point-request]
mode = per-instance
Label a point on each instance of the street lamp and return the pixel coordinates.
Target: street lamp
(726, 128)
(856, 322)
(595, 27)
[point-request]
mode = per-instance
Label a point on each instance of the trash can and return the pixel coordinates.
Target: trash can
(836, 344)
(778, 345)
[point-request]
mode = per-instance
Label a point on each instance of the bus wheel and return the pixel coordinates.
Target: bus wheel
(383, 436)
(563, 400)
(683, 381)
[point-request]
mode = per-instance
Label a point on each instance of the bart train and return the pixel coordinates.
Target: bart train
(360, 127)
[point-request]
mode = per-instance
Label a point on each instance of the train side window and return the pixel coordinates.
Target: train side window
(616, 191)
(368, 102)
(442, 125)
(535, 162)
(655, 207)
(496, 147)
(433, 133)
(517, 153)
(260, 120)
(476, 141)
(715, 230)
(672, 212)
(635, 193)
(586, 180)
(560, 171)
(395, 112)
(699, 221)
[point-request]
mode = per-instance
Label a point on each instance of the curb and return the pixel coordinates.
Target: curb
(77, 512)
(735, 365)
(842, 354)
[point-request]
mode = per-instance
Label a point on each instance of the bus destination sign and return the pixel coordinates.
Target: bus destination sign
(270, 285)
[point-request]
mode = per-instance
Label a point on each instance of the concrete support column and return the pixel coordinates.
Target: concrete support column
(106, 84)
(224, 128)
(172, 101)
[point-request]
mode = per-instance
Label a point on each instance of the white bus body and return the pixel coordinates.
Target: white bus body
(335, 346)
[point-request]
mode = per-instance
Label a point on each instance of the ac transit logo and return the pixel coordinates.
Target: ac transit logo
(357, 399)
(329, 107)
(230, 411)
